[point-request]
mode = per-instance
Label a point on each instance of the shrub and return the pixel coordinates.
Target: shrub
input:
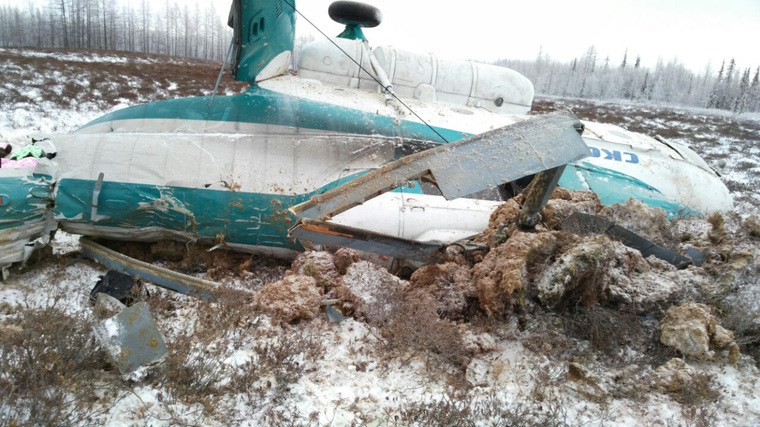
(48, 362)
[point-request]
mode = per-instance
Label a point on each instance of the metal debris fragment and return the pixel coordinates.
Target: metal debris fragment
(338, 235)
(163, 277)
(333, 315)
(132, 339)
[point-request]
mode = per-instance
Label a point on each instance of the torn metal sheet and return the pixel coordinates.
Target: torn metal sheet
(332, 234)
(467, 166)
(163, 277)
(132, 339)
(25, 214)
(581, 223)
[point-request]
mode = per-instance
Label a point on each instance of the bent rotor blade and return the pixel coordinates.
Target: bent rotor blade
(333, 234)
(581, 223)
(465, 167)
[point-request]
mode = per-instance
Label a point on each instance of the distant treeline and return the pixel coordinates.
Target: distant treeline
(140, 26)
(731, 89)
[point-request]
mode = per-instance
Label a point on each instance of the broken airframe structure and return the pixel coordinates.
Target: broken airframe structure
(524, 149)
(337, 144)
(541, 147)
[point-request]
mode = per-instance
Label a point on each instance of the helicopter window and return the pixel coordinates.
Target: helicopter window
(261, 24)
(255, 30)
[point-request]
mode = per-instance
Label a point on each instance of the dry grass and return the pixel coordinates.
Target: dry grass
(49, 364)
(413, 326)
(143, 77)
(696, 390)
(607, 330)
(198, 370)
(455, 410)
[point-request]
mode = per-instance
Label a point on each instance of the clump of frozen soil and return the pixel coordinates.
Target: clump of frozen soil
(642, 219)
(295, 297)
(449, 287)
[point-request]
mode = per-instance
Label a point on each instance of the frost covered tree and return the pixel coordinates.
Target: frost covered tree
(104, 24)
(754, 92)
(671, 82)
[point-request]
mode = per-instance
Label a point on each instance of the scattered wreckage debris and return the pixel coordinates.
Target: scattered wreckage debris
(541, 146)
(120, 286)
(160, 276)
(126, 329)
(132, 339)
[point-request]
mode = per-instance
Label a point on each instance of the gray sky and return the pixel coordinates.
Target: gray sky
(694, 31)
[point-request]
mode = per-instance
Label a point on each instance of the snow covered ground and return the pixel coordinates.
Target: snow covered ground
(265, 354)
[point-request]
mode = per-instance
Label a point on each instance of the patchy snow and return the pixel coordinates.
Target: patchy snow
(85, 56)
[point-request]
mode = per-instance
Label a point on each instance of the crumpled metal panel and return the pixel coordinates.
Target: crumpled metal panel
(132, 339)
(25, 214)
(467, 166)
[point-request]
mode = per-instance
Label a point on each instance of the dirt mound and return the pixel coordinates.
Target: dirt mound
(319, 265)
(504, 215)
(369, 291)
(499, 279)
(693, 331)
(642, 219)
(296, 297)
(448, 285)
(564, 203)
(580, 276)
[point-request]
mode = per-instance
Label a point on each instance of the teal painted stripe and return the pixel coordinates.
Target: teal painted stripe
(615, 187)
(261, 106)
(238, 217)
(23, 200)
(235, 217)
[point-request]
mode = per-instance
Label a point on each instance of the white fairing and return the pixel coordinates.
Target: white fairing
(276, 67)
(418, 76)
(336, 64)
(420, 217)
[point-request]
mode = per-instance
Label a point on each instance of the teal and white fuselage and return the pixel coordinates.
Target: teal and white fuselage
(226, 169)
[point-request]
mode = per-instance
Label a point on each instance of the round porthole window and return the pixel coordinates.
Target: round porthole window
(499, 101)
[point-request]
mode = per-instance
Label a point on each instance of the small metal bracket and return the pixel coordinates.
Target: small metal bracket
(95, 197)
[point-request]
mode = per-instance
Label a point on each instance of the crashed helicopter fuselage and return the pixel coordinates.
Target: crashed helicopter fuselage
(227, 169)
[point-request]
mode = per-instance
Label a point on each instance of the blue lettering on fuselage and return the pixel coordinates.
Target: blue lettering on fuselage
(614, 155)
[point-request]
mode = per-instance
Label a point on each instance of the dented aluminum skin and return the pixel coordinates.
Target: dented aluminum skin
(25, 215)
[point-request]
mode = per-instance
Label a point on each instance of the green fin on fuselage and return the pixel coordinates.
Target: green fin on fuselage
(264, 33)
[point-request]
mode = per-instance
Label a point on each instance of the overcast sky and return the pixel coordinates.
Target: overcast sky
(694, 31)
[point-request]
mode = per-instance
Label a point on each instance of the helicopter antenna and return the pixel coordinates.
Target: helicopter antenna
(368, 73)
